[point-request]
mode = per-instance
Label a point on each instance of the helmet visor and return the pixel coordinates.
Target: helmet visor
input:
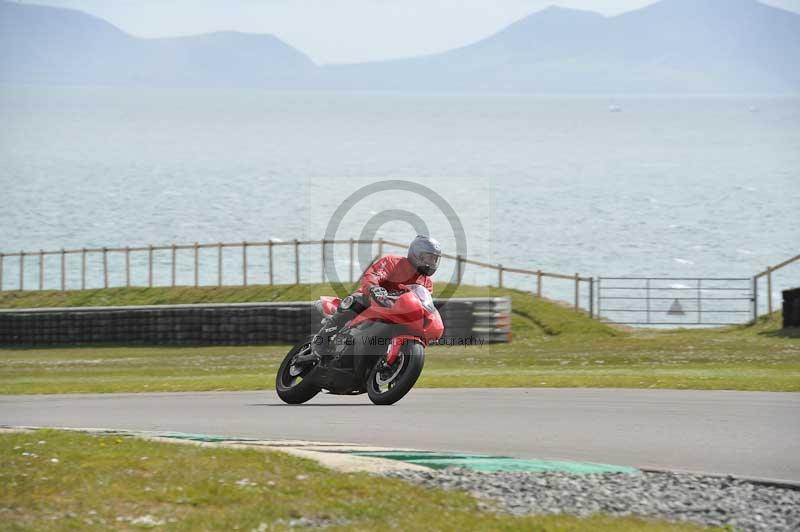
(429, 260)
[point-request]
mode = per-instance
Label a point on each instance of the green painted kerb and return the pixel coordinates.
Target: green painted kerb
(201, 437)
(484, 462)
(475, 462)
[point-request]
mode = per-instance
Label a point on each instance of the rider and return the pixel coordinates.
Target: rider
(388, 274)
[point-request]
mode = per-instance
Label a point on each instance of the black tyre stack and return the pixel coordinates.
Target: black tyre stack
(222, 324)
(486, 320)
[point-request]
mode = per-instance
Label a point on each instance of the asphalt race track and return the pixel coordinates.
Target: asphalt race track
(750, 434)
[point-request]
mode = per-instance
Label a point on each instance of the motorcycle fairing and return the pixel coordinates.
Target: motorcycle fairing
(327, 305)
(407, 313)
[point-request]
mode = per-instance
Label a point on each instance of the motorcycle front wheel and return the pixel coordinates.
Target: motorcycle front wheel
(291, 383)
(388, 384)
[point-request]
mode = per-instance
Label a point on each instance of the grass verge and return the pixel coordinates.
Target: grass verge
(55, 480)
(552, 347)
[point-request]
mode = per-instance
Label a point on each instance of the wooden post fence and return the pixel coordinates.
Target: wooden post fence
(327, 247)
(105, 267)
(150, 266)
(270, 245)
(22, 270)
(296, 261)
(577, 290)
(174, 260)
(219, 264)
(63, 270)
(325, 256)
(83, 269)
(322, 273)
(769, 290)
(768, 274)
(127, 266)
(196, 264)
(41, 269)
(244, 263)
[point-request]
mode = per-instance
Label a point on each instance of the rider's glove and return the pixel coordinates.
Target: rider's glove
(379, 294)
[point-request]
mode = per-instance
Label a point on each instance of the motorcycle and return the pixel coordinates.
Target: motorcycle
(380, 351)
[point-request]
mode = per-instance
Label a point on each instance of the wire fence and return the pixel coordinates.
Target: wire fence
(245, 263)
(675, 301)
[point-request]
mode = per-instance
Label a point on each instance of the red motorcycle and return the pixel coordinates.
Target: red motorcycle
(380, 351)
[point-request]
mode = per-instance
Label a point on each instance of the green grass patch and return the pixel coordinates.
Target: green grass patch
(55, 480)
(162, 295)
(553, 346)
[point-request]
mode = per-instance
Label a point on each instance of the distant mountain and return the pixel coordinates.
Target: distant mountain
(49, 45)
(670, 46)
(679, 46)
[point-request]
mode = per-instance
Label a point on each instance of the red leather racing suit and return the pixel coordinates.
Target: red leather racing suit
(392, 271)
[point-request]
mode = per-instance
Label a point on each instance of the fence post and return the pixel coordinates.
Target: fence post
(600, 299)
(591, 297)
(174, 259)
(196, 264)
(500, 276)
(755, 299)
(323, 260)
(127, 266)
(351, 260)
(244, 263)
(2, 257)
(150, 266)
(577, 291)
(459, 269)
(83, 269)
(539, 283)
(105, 267)
(699, 301)
(270, 245)
(22, 270)
(769, 290)
(63, 270)
(219, 264)
(41, 269)
(296, 261)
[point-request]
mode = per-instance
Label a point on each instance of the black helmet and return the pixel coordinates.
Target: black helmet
(424, 254)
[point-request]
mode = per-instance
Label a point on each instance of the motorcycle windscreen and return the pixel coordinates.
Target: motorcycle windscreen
(423, 295)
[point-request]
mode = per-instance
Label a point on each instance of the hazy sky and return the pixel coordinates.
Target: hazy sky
(335, 31)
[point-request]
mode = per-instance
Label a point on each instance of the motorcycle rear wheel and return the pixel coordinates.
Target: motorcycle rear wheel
(387, 385)
(291, 383)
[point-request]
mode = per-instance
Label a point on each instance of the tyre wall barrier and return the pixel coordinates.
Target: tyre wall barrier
(484, 320)
(791, 308)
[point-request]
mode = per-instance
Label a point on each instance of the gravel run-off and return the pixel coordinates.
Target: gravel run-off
(706, 500)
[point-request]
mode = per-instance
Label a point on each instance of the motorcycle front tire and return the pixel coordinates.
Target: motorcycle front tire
(414, 354)
(298, 393)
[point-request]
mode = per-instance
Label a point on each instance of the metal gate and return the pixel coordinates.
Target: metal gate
(675, 300)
